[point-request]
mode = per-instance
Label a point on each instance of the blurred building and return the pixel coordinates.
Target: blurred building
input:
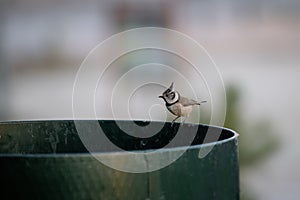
(43, 33)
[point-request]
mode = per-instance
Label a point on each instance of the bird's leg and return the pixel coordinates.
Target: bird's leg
(174, 120)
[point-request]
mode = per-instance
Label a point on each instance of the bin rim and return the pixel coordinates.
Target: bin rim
(161, 150)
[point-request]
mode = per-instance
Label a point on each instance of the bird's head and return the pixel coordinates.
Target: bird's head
(170, 95)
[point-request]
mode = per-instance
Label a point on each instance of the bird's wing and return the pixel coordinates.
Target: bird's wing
(188, 102)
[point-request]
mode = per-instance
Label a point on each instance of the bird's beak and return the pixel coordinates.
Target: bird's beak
(160, 96)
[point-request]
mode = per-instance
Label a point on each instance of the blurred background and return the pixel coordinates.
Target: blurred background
(255, 44)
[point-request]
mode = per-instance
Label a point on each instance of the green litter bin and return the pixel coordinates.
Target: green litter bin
(58, 160)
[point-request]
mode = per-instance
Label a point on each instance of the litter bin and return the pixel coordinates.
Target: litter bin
(49, 160)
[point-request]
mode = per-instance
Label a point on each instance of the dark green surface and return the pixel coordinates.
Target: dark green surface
(46, 160)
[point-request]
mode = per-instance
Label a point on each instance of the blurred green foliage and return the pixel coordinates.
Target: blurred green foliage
(257, 140)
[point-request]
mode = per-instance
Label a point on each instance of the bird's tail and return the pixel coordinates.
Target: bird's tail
(199, 103)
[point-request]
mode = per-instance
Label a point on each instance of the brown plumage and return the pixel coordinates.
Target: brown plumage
(177, 104)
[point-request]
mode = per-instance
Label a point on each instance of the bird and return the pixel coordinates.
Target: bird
(178, 105)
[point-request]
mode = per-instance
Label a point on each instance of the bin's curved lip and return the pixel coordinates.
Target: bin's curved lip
(235, 135)
(178, 148)
(196, 146)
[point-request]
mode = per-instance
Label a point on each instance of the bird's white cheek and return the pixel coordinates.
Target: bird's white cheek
(175, 98)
